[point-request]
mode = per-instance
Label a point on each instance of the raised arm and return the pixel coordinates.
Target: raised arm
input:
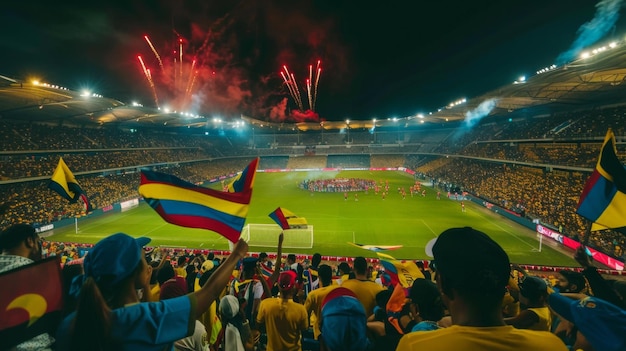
(279, 257)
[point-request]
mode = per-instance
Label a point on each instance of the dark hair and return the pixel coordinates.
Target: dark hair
(425, 294)
(316, 260)
(91, 328)
(165, 273)
(67, 274)
(181, 260)
(419, 264)
(574, 278)
(210, 256)
(291, 257)
(325, 274)
(13, 236)
(344, 268)
(262, 255)
(383, 297)
(360, 265)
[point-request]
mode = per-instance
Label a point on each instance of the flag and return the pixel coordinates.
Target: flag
(603, 200)
(267, 271)
(400, 272)
(31, 301)
(64, 183)
(376, 248)
(188, 205)
(287, 219)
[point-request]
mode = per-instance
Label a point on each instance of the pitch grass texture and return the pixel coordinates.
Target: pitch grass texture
(411, 222)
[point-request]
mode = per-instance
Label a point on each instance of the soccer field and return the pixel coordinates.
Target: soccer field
(411, 222)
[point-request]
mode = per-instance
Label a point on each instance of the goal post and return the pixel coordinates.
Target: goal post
(266, 235)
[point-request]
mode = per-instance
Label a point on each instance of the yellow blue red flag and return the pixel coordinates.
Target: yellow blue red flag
(603, 200)
(188, 205)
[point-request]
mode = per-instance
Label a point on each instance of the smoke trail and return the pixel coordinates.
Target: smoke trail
(607, 13)
(474, 116)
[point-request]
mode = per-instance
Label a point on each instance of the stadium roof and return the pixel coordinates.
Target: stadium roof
(595, 79)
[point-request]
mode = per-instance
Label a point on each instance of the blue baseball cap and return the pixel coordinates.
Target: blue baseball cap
(114, 258)
(601, 322)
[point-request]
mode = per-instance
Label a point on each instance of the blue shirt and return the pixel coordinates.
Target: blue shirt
(144, 326)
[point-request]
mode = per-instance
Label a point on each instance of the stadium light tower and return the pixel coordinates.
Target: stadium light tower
(348, 129)
(374, 130)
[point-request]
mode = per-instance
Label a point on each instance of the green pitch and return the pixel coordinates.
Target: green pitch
(411, 222)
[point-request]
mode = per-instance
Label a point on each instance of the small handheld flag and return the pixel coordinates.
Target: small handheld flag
(376, 248)
(603, 200)
(188, 205)
(287, 219)
(65, 184)
(400, 272)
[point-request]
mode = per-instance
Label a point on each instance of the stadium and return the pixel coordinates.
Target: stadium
(207, 204)
(542, 134)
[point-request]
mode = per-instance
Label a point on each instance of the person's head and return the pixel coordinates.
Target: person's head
(316, 260)
(471, 267)
(343, 322)
(114, 262)
(383, 297)
(420, 264)
(291, 259)
(325, 273)
(426, 300)
(181, 261)
(229, 308)
(344, 268)
(21, 240)
(173, 287)
(360, 266)
(287, 283)
(570, 281)
(249, 267)
(165, 273)
(263, 257)
(533, 291)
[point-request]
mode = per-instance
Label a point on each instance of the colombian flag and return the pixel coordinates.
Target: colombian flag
(31, 301)
(603, 200)
(188, 205)
(376, 248)
(64, 183)
(286, 219)
(403, 273)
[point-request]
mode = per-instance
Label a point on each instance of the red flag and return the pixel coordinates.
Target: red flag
(31, 301)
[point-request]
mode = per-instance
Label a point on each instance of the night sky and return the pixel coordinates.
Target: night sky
(379, 59)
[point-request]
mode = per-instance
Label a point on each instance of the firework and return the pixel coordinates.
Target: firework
(156, 54)
(148, 75)
(311, 89)
(317, 81)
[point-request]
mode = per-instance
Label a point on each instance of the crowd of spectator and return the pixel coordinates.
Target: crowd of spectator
(122, 294)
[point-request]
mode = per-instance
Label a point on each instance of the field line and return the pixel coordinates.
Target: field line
(505, 230)
(429, 228)
(154, 229)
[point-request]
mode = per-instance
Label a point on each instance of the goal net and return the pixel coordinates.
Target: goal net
(266, 235)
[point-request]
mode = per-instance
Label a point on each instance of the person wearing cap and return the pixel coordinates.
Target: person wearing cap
(20, 245)
(533, 294)
(364, 289)
(284, 320)
(472, 273)
(344, 324)
(313, 303)
(110, 315)
(237, 336)
(601, 324)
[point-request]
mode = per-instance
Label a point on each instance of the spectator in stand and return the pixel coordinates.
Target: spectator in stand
(472, 273)
(249, 290)
(313, 303)
(20, 245)
(344, 323)
(283, 319)
(533, 295)
(364, 289)
(198, 341)
(344, 272)
(238, 336)
(110, 315)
